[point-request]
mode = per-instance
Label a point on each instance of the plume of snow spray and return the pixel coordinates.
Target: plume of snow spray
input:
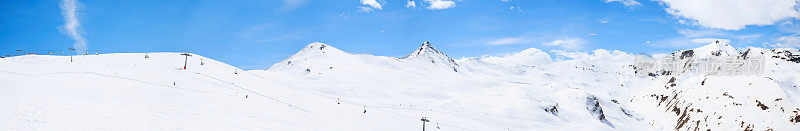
(69, 9)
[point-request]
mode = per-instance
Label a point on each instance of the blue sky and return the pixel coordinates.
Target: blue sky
(254, 34)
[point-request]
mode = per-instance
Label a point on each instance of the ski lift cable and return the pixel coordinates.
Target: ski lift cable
(105, 75)
(233, 84)
(257, 93)
(316, 93)
(350, 102)
(136, 80)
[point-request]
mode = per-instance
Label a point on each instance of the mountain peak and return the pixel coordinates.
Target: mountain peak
(319, 48)
(425, 49)
(718, 47)
(427, 52)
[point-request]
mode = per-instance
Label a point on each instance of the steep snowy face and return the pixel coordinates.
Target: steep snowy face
(426, 52)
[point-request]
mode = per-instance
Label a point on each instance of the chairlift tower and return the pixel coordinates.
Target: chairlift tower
(70, 54)
(424, 120)
(186, 59)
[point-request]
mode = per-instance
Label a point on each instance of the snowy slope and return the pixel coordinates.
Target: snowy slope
(697, 98)
(324, 88)
(513, 94)
(128, 91)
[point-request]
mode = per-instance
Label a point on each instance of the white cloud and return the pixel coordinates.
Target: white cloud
(732, 14)
(440, 4)
(411, 4)
(509, 40)
(505, 0)
(72, 26)
(569, 43)
(700, 33)
(677, 43)
(365, 9)
(626, 2)
(372, 3)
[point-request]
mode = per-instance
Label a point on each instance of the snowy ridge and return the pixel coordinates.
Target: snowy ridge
(324, 88)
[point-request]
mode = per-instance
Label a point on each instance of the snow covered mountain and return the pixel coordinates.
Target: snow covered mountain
(324, 88)
(698, 97)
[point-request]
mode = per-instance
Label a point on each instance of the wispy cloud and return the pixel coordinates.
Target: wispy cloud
(701, 33)
(509, 41)
(72, 25)
(593, 34)
(268, 32)
(789, 27)
(710, 40)
(289, 5)
(786, 42)
(568, 43)
(694, 38)
(629, 3)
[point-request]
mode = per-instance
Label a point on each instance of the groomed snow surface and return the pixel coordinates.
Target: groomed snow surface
(324, 88)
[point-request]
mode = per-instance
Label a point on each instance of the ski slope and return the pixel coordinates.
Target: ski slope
(324, 88)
